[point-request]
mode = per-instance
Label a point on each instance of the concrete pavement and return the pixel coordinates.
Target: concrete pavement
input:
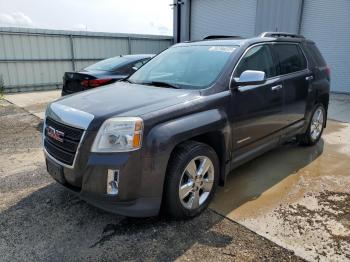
(295, 196)
(298, 197)
(339, 107)
(34, 102)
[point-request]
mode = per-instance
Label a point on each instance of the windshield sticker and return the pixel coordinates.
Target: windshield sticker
(226, 49)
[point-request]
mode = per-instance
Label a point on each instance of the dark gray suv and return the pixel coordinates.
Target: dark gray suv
(166, 137)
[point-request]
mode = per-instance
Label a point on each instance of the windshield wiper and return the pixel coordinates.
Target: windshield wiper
(160, 83)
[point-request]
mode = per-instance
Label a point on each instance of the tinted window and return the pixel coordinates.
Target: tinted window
(140, 63)
(290, 57)
(187, 67)
(130, 68)
(125, 69)
(108, 64)
(257, 58)
(316, 55)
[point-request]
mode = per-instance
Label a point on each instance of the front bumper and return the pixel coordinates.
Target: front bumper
(135, 197)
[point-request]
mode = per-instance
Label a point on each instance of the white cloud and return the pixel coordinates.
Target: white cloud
(16, 19)
(120, 16)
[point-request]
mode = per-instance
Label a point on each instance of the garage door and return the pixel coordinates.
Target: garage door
(224, 17)
(328, 24)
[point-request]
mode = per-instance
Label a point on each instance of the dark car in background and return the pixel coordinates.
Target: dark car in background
(103, 73)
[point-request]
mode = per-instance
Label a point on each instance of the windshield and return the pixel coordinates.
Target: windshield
(107, 64)
(187, 67)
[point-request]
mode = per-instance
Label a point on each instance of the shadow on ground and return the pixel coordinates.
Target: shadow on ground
(41, 221)
(249, 181)
(51, 224)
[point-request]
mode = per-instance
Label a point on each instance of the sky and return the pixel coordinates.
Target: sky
(117, 16)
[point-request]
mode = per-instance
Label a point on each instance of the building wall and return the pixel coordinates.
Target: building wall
(328, 24)
(323, 21)
(278, 15)
(34, 59)
(228, 16)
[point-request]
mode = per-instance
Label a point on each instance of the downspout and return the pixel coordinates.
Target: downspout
(189, 20)
(301, 16)
(178, 24)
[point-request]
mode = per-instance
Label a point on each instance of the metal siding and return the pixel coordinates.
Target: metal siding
(139, 46)
(328, 24)
(42, 56)
(223, 17)
(82, 64)
(92, 48)
(278, 15)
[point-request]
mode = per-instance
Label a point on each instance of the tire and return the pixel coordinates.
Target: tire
(315, 129)
(202, 186)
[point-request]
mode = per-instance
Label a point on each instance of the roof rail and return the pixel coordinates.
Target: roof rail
(221, 37)
(280, 34)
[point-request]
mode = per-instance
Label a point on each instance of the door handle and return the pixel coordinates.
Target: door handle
(275, 88)
(309, 78)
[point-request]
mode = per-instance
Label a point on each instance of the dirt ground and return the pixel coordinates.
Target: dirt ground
(41, 221)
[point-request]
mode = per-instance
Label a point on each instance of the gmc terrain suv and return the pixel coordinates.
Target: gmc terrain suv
(168, 135)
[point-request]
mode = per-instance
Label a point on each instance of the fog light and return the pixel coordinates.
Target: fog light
(112, 182)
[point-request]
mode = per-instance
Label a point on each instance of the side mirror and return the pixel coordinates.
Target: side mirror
(249, 77)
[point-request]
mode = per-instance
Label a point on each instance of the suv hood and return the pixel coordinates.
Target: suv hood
(119, 99)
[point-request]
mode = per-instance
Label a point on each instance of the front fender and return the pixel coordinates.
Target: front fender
(163, 138)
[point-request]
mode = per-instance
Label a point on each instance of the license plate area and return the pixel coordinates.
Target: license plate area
(56, 171)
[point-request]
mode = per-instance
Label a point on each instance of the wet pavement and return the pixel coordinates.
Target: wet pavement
(41, 221)
(298, 197)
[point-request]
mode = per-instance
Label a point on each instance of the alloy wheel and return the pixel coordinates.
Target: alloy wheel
(196, 182)
(317, 123)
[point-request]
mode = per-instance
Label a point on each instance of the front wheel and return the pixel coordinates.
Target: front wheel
(192, 177)
(315, 128)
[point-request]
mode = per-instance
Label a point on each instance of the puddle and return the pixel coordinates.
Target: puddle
(295, 178)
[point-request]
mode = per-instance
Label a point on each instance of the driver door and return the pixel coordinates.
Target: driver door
(257, 109)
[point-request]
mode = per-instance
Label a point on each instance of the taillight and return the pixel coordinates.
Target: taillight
(96, 82)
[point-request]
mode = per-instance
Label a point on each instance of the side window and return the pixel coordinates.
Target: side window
(257, 58)
(291, 58)
(316, 55)
(140, 63)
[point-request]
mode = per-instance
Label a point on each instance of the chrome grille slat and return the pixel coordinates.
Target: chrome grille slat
(65, 151)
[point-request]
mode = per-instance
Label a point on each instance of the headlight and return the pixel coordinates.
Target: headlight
(119, 134)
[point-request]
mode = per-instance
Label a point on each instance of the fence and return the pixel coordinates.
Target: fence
(35, 59)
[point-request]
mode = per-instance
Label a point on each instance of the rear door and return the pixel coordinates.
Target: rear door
(295, 78)
(257, 108)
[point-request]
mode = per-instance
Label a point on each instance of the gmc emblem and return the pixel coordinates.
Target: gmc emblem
(55, 134)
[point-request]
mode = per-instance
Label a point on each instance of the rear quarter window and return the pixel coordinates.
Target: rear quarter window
(291, 59)
(315, 54)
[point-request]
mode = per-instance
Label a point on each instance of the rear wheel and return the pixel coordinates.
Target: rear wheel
(316, 125)
(191, 180)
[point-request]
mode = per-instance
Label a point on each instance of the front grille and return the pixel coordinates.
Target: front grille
(65, 150)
